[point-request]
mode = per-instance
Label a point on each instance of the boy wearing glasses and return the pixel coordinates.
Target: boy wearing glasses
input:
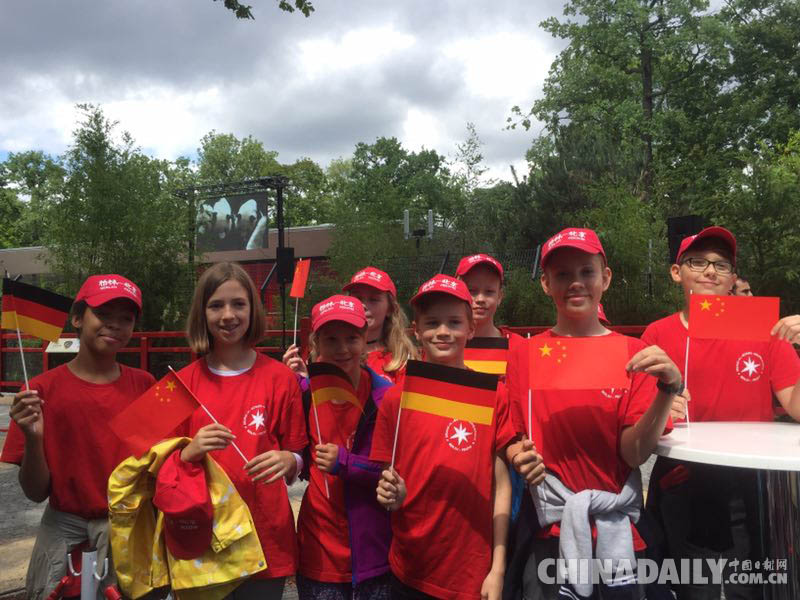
(707, 511)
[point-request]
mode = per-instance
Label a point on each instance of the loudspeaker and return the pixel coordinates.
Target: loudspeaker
(679, 228)
(285, 259)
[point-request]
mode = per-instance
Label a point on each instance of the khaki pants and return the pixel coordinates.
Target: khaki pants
(58, 534)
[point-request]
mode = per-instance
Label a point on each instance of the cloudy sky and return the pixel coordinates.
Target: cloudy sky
(172, 70)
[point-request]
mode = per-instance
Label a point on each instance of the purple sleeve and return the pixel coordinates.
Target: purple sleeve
(357, 468)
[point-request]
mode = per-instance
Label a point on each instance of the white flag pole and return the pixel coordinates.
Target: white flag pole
(396, 431)
(296, 305)
(210, 416)
(319, 437)
(21, 353)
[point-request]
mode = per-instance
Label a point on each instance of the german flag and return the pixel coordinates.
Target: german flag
(487, 355)
(35, 311)
(449, 392)
(329, 382)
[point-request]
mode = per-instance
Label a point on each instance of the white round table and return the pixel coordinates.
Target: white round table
(769, 446)
(773, 450)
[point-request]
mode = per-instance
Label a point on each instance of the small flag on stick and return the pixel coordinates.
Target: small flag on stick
(34, 311)
(329, 382)
(300, 278)
(448, 392)
(585, 363)
(732, 317)
(155, 414)
(487, 355)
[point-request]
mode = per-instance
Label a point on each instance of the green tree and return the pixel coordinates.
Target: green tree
(759, 203)
(629, 70)
(115, 214)
(245, 11)
(37, 179)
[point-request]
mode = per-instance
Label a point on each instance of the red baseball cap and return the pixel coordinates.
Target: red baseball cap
(338, 308)
(182, 495)
(468, 262)
(99, 289)
(373, 278)
(444, 284)
(720, 233)
(572, 237)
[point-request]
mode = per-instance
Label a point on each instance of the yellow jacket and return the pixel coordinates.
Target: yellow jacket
(141, 559)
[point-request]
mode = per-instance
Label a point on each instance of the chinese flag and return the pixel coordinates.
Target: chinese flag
(329, 382)
(584, 363)
(300, 278)
(449, 392)
(487, 355)
(155, 414)
(732, 317)
(35, 311)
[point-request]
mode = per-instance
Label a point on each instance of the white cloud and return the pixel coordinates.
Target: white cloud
(502, 65)
(356, 49)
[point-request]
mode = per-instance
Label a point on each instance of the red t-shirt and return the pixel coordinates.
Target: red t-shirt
(729, 380)
(264, 410)
(442, 535)
(322, 529)
(377, 360)
(81, 451)
(577, 432)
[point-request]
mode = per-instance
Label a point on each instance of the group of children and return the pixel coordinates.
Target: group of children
(427, 517)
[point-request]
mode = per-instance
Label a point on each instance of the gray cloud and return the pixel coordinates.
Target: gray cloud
(115, 49)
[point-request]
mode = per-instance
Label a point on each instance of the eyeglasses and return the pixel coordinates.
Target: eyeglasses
(722, 267)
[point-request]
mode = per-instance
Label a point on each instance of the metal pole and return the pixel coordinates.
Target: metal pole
(280, 249)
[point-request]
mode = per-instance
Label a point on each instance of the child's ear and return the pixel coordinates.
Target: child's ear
(675, 273)
(606, 278)
(77, 322)
(416, 331)
(545, 283)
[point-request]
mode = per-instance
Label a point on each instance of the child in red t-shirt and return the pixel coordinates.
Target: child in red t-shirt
(730, 380)
(59, 432)
(591, 439)
(344, 534)
(388, 346)
(483, 275)
(258, 405)
(449, 487)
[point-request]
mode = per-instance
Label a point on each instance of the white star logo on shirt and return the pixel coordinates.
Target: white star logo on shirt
(750, 366)
(257, 421)
(460, 434)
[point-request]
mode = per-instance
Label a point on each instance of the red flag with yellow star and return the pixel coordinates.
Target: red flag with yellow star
(155, 414)
(732, 317)
(585, 363)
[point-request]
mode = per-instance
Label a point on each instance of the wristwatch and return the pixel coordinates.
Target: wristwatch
(673, 389)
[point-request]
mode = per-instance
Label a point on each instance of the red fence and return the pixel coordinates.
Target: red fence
(154, 351)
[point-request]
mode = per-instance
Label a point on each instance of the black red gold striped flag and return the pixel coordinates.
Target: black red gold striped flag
(449, 392)
(328, 382)
(487, 354)
(35, 311)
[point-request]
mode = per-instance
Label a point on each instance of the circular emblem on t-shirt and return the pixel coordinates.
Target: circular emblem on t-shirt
(750, 366)
(255, 420)
(613, 393)
(460, 435)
